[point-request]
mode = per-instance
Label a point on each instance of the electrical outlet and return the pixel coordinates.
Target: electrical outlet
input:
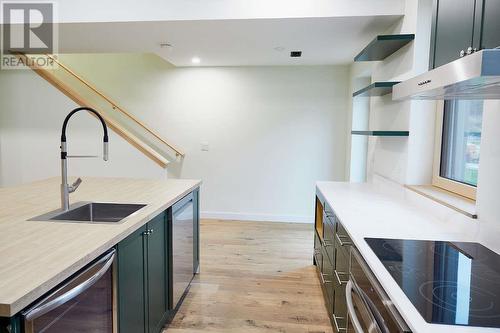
(205, 146)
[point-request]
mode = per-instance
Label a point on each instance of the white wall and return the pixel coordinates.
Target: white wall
(272, 131)
(359, 143)
(31, 115)
(403, 160)
(488, 187)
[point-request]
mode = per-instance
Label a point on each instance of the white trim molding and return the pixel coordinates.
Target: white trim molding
(256, 217)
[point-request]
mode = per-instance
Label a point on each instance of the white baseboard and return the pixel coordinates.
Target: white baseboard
(256, 217)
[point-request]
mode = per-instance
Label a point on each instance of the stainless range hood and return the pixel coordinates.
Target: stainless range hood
(476, 76)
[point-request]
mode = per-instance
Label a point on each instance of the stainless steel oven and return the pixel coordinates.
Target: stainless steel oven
(84, 303)
(369, 308)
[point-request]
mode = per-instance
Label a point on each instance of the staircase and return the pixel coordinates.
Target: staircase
(120, 121)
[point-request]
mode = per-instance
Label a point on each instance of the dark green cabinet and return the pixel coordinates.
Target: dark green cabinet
(145, 267)
(453, 29)
(10, 325)
(489, 14)
(131, 281)
(142, 279)
(157, 273)
(461, 26)
(331, 257)
(327, 280)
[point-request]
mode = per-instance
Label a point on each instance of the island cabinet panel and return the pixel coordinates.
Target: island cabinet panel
(10, 325)
(157, 273)
(142, 279)
(131, 283)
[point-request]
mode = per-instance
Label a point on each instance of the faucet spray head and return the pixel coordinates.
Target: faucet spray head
(105, 151)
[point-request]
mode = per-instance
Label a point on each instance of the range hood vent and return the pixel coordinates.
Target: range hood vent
(476, 76)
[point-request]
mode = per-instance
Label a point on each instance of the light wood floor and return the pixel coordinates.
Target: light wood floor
(255, 277)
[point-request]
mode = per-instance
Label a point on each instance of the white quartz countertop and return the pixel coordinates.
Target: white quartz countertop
(36, 256)
(381, 210)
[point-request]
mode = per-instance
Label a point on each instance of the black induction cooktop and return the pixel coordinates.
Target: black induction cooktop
(452, 283)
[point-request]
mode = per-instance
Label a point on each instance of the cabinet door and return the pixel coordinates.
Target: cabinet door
(453, 29)
(327, 280)
(329, 236)
(131, 283)
(339, 310)
(490, 38)
(341, 276)
(10, 325)
(157, 273)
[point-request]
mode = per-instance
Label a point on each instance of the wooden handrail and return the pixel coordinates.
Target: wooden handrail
(115, 106)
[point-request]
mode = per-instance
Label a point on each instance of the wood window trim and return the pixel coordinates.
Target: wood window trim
(441, 182)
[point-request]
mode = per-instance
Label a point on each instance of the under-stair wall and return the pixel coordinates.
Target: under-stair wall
(121, 121)
(31, 116)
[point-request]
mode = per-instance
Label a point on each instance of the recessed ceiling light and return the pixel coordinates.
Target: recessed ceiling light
(195, 60)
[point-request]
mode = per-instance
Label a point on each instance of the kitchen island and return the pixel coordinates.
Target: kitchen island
(36, 256)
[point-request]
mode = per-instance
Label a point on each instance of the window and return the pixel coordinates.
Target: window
(458, 146)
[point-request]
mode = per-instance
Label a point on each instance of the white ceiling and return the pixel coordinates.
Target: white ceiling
(246, 42)
(81, 11)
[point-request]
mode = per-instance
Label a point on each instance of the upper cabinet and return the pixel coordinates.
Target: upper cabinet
(460, 26)
(490, 35)
(453, 28)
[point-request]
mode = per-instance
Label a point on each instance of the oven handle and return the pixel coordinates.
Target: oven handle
(352, 317)
(378, 316)
(47, 305)
(350, 308)
(402, 326)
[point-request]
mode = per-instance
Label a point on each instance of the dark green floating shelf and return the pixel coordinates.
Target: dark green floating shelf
(383, 46)
(376, 89)
(381, 133)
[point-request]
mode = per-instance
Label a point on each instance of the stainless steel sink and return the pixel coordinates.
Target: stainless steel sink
(92, 212)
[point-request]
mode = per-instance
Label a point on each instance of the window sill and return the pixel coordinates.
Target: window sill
(451, 200)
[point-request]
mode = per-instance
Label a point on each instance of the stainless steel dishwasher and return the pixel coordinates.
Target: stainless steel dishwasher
(84, 303)
(183, 269)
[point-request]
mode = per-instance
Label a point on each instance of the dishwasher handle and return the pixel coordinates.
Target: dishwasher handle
(68, 292)
(181, 204)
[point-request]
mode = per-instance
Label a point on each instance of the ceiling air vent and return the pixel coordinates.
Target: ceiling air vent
(296, 54)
